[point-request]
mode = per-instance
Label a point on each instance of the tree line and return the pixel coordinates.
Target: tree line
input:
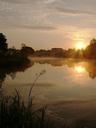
(89, 52)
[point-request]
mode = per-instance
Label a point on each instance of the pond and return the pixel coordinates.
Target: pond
(65, 79)
(68, 86)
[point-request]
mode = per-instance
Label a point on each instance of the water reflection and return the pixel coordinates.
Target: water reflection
(11, 71)
(80, 66)
(91, 69)
(80, 69)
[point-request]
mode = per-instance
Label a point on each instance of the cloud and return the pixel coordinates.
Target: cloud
(74, 12)
(45, 14)
(27, 16)
(73, 7)
(49, 1)
(38, 27)
(16, 1)
(26, 1)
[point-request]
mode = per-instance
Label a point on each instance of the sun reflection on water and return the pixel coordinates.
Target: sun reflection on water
(80, 69)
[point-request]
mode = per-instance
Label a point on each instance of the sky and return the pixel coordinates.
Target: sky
(43, 24)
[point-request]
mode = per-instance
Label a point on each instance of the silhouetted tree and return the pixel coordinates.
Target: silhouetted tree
(3, 44)
(26, 51)
(57, 52)
(70, 53)
(90, 51)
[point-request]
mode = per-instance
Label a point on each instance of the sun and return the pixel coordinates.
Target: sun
(80, 45)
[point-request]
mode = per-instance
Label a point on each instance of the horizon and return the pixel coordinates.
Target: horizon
(76, 47)
(48, 23)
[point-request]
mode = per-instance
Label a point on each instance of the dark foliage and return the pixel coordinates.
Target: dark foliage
(90, 51)
(15, 113)
(3, 44)
(26, 51)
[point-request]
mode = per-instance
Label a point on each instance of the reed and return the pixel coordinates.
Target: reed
(16, 113)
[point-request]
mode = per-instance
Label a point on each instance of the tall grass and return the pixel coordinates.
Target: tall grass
(15, 113)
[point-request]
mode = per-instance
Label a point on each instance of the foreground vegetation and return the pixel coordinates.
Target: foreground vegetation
(14, 113)
(17, 113)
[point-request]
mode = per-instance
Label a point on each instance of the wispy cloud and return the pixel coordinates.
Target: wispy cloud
(74, 11)
(29, 16)
(55, 16)
(73, 7)
(38, 13)
(45, 28)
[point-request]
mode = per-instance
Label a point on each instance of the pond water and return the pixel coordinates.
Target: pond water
(68, 86)
(64, 79)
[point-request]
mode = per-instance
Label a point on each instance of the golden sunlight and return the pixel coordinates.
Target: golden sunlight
(80, 45)
(80, 69)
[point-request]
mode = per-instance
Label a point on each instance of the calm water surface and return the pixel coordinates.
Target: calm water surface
(65, 79)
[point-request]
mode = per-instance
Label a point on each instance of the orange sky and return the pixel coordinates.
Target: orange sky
(48, 23)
